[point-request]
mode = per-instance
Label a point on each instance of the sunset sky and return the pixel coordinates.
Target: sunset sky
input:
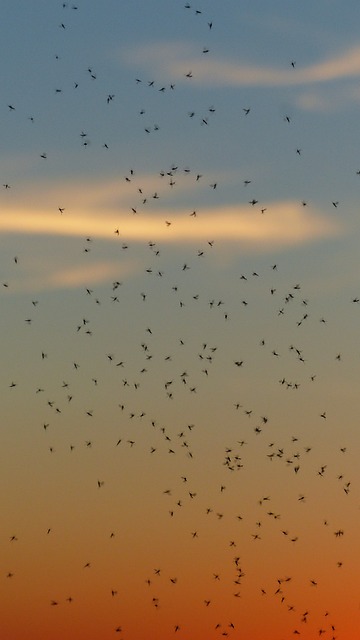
(180, 309)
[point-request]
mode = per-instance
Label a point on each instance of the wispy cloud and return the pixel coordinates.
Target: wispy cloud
(73, 276)
(174, 60)
(81, 275)
(283, 223)
(100, 210)
(323, 100)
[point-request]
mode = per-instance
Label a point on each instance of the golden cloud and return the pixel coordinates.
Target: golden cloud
(283, 223)
(101, 210)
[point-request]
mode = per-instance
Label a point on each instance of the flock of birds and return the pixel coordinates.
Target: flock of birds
(196, 404)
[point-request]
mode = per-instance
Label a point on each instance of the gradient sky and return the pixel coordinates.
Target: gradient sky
(180, 300)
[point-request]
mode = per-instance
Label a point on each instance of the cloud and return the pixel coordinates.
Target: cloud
(76, 276)
(174, 60)
(101, 210)
(328, 101)
(54, 276)
(283, 223)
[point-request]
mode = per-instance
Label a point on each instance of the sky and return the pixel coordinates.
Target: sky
(180, 301)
